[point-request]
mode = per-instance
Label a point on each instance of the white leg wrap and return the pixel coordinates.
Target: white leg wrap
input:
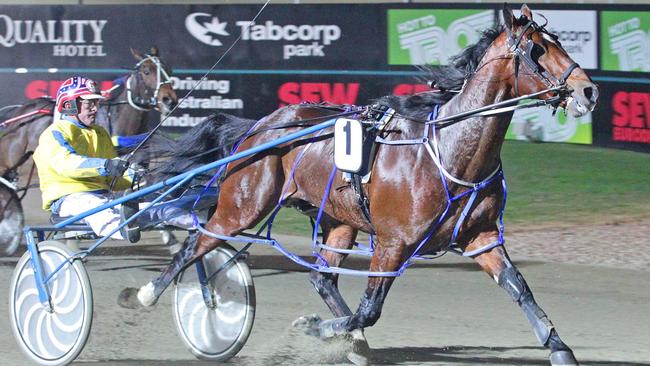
(146, 295)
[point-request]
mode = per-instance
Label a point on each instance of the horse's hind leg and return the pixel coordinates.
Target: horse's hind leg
(238, 208)
(132, 298)
(497, 264)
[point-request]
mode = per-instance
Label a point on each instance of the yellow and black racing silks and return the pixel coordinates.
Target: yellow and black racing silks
(70, 158)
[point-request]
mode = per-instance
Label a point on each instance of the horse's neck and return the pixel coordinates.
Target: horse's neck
(121, 118)
(470, 149)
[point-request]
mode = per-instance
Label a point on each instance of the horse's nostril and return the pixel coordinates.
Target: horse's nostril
(590, 93)
(166, 100)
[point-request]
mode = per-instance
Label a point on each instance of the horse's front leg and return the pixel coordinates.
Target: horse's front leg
(369, 310)
(326, 284)
(384, 259)
(497, 264)
(337, 236)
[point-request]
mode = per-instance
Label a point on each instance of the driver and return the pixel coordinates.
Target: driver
(77, 162)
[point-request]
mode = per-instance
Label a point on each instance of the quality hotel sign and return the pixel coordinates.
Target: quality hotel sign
(71, 38)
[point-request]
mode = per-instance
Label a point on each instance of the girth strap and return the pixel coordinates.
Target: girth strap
(363, 200)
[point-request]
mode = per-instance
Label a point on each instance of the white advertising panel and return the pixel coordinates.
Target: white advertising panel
(577, 32)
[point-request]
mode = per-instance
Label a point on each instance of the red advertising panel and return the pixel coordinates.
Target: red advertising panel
(623, 116)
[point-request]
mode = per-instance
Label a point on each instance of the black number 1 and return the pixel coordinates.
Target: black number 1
(348, 138)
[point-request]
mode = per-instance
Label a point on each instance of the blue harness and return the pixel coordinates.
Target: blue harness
(322, 265)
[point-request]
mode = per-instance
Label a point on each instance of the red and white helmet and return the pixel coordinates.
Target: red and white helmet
(73, 88)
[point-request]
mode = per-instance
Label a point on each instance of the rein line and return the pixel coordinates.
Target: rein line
(500, 107)
(492, 109)
(203, 78)
(300, 123)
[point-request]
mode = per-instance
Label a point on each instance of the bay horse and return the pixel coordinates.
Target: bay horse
(124, 112)
(419, 167)
(12, 219)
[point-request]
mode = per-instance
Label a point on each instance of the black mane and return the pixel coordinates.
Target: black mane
(447, 78)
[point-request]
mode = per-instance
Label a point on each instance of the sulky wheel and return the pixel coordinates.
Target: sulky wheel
(56, 337)
(11, 220)
(217, 333)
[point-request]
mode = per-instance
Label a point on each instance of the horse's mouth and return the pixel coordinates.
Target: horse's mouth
(576, 108)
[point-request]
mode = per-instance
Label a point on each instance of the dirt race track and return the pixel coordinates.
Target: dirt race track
(593, 281)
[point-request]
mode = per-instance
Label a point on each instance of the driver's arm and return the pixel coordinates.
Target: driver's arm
(67, 162)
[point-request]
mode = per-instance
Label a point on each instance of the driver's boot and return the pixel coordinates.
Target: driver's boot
(131, 231)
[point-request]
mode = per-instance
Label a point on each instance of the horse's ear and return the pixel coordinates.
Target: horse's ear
(508, 16)
(525, 11)
(154, 51)
(138, 56)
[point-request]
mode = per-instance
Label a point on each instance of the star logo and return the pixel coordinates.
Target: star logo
(206, 28)
(216, 28)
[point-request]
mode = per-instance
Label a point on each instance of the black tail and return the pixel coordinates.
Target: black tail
(209, 141)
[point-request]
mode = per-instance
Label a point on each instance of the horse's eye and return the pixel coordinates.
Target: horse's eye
(537, 52)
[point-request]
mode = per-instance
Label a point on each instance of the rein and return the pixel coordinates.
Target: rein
(203, 78)
(303, 123)
(500, 107)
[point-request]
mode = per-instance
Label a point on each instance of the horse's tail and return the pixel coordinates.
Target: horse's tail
(208, 141)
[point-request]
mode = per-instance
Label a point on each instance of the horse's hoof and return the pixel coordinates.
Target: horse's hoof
(308, 323)
(563, 358)
(167, 237)
(360, 354)
(358, 359)
(333, 327)
(146, 295)
(128, 298)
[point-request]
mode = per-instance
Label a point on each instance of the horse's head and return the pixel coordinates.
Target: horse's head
(541, 63)
(151, 86)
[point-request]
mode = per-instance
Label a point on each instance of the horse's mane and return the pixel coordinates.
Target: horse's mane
(448, 79)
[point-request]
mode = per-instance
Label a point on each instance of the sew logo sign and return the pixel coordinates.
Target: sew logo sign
(631, 117)
(336, 93)
(432, 36)
(625, 41)
(539, 124)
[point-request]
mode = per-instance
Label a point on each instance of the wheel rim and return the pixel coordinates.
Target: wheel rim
(55, 337)
(215, 333)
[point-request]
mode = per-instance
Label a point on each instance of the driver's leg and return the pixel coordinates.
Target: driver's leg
(102, 222)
